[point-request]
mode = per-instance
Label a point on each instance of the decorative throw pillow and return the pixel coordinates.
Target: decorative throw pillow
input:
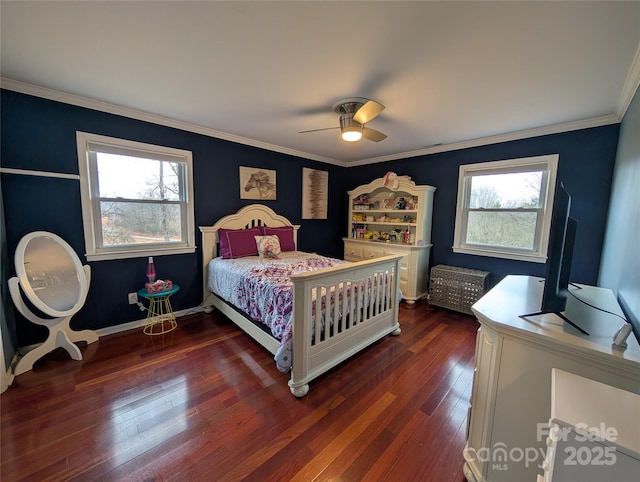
(285, 235)
(237, 243)
(268, 246)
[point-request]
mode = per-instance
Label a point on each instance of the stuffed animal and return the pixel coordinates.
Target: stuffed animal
(392, 180)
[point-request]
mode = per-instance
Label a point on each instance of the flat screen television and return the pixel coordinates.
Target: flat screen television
(562, 237)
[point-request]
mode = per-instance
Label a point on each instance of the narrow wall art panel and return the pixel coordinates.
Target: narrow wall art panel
(257, 183)
(315, 193)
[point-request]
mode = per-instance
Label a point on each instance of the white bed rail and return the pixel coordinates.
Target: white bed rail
(362, 301)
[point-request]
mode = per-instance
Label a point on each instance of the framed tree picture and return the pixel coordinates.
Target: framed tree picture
(257, 184)
(315, 193)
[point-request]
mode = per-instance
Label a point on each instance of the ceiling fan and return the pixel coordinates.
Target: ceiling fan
(355, 112)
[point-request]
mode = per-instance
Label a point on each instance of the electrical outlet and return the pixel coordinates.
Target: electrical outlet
(133, 298)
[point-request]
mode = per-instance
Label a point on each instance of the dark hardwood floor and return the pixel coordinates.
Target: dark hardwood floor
(205, 402)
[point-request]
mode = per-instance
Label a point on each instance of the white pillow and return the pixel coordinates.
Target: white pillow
(268, 246)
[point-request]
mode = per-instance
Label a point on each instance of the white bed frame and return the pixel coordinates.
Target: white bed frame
(375, 316)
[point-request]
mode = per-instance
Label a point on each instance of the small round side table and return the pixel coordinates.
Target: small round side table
(160, 316)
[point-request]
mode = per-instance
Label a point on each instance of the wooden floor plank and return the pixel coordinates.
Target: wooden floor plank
(205, 402)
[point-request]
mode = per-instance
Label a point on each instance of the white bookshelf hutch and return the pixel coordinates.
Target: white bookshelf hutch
(393, 218)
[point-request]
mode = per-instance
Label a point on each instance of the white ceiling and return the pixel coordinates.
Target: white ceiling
(260, 72)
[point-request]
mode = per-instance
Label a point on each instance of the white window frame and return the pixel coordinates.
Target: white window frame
(548, 164)
(87, 142)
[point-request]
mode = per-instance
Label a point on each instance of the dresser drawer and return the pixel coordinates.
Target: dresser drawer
(352, 252)
(370, 253)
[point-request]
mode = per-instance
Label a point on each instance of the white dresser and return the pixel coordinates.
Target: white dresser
(511, 393)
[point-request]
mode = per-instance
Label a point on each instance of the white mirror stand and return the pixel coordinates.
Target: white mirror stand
(53, 279)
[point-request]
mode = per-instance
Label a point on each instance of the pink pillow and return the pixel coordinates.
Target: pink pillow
(284, 233)
(237, 243)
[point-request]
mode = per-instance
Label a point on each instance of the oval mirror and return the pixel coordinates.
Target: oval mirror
(50, 274)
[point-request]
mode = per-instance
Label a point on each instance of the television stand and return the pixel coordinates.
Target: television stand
(524, 317)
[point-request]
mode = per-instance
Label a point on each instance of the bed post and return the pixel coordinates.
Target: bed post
(301, 336)
(209, 251)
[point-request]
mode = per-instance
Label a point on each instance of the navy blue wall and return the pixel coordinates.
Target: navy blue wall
(39, 134)
(585, 166)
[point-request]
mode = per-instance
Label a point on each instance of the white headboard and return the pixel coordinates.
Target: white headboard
(247, 217)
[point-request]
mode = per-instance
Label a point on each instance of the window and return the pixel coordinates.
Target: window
(504, 208)
(137, 199)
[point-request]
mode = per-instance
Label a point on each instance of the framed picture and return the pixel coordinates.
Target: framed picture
(315, 193)
(257, 184)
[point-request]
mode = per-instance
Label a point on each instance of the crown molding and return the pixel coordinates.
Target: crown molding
(484, 141)
(89, 103)
(630, 85)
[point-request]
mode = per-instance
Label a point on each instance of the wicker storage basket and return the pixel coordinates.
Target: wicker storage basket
(456, 288)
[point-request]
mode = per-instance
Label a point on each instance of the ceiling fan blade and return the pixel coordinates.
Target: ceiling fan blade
(318, 130)
(373, 135)
(368, 111)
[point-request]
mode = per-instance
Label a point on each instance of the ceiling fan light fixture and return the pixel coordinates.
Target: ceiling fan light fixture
(350, 130)
(354, 113)
(351, 134)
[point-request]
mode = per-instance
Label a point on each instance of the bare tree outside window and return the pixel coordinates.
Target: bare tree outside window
(503, 210)
(144, 205)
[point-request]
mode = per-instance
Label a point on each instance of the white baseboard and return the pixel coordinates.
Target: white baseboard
(109, 330)
(133, 325)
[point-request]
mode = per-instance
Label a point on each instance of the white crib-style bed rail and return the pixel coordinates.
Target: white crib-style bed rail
(368, 295)
(364, 309)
